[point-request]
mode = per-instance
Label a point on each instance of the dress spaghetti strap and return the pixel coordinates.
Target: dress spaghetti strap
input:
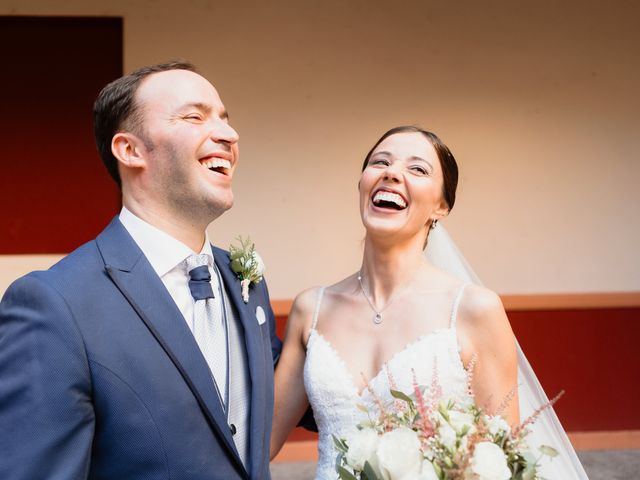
(314, 320)
(456, 304)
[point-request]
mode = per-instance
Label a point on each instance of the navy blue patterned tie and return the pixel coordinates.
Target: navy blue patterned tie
(207, 325)
(200, 283)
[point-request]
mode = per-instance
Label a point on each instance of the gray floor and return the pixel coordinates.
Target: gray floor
(599, 464)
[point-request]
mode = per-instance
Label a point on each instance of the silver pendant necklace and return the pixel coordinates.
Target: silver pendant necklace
(377, 318)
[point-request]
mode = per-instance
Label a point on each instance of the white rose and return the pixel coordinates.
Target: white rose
(459, 420)
(427, 472)
(497, 424)
(489, 462)
(362, 448)
(399, 454)
(447, 435)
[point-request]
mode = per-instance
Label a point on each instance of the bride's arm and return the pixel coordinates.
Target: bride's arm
(484, 330)
(290, 396)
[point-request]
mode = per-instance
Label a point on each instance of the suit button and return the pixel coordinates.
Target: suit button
(232, 427)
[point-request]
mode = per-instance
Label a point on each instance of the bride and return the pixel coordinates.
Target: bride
(400, 314)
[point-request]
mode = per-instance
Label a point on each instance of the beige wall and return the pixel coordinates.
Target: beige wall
(538, 101)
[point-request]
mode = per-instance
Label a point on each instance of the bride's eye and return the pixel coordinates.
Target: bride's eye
(379, 161)
(419, 169)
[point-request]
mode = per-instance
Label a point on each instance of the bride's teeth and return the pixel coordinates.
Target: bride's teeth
(383, 196)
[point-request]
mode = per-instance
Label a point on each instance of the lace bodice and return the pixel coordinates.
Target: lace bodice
(333, 394)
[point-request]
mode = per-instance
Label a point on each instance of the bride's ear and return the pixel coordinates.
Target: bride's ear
(440, 212)
(129, 150)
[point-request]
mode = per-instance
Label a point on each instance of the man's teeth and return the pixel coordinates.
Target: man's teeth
(383, 196)
(217, 163)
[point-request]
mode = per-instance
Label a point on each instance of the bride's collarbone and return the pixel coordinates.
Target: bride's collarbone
(397, 325)
(424, 309)
(376, 343)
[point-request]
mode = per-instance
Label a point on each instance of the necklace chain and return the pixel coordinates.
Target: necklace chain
(377, 318)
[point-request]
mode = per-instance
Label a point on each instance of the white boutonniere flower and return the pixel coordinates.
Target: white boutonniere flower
(247, 265)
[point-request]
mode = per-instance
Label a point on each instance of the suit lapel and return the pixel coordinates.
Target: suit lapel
(255, 353)
(135, 278)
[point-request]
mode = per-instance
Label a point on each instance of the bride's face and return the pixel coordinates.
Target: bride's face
(401, 187)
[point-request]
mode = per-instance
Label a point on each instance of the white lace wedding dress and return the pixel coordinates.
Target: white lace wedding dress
(333, 395)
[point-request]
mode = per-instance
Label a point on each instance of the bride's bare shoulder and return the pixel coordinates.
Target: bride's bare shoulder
(482, 318)
(305, 302)
(480, 302)
(301, 315)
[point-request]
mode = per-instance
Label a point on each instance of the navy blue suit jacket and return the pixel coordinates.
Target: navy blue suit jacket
(101, 378)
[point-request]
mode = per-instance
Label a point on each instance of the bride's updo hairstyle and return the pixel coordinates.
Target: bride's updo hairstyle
(447, 161)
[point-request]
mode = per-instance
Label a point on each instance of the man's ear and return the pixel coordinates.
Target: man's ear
(129, 150)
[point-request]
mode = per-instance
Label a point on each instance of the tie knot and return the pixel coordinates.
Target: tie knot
(200, 274)
(199, 277)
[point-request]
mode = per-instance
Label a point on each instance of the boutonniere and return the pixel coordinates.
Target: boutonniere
(247, 265)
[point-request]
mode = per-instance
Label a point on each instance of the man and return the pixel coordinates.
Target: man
(136, 356)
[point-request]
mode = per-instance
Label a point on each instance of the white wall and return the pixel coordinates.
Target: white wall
(537, 100)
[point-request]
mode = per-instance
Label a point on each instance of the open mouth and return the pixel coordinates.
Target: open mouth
(218, 165)
(389, 200)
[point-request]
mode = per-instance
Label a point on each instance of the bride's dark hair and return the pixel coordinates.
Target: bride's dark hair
(447, 161)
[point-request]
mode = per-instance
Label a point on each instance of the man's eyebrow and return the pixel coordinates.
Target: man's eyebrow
(197, 105)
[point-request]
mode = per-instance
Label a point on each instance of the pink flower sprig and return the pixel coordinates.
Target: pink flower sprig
(506, 401)
(385, 416)
(534, 416)
(436, 389)
(473, 440)
(398, 404)
(424, 410)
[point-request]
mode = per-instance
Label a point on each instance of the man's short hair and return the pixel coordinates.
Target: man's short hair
(116, 110)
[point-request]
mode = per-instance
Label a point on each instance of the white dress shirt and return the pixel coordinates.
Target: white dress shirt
(166, 255)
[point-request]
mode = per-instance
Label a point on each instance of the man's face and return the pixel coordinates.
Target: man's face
(191, 150)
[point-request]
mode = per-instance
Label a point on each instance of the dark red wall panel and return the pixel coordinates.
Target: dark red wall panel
(593, 356)
(55, 193)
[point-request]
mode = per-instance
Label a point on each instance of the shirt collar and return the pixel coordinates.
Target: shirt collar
(163, 251)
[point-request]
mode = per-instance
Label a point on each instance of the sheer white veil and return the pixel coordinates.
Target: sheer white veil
(442, 252)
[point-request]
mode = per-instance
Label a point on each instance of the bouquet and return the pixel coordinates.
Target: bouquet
(423, 436)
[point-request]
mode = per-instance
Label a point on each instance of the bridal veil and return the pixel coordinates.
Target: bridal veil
(442, 252)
